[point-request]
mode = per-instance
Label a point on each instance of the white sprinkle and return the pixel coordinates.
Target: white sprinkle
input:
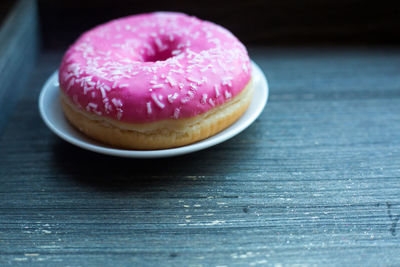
(73, 67)
(163, 75)
(119, 115)
(206, 68)
(158, 86)
(103, 93)
(148, 104)
(158, 103)
(160, 45)
(67, 76)
(108, 107)
(177, 62)
(189, 53)
(116, 72)
(227, 94)
(178, 71)
(191, 79)
(93, 94)
(123, 85)
(92, 84)
(83, 81)
(160, 97)
(227, 81)
(176, 113)
(193, 86)
(105, 86)
(91, 105)
(153, 82)
(175, 52)
(114, 85)
(171, 98)
(104, 53)
(116, 102)
(196, 35)
(216, 90)
(220, 64)
(204, 99)
(170, 81)
(215, 41)
(184, 100)
(244, 67)
(71, 82)
(211, 102)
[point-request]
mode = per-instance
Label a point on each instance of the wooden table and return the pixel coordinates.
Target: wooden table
(314, 181)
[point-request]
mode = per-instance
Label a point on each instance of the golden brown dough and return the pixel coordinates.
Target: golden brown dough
(158, 135)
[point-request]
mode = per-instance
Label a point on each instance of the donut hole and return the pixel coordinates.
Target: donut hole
(162, 48)
(159, 56)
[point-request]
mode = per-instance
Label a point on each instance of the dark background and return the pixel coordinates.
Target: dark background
(274, 22)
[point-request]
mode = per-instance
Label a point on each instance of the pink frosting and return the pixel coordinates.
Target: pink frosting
(155, 66)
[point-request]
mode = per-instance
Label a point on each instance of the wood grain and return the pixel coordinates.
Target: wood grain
(314, 181)
(19, 47)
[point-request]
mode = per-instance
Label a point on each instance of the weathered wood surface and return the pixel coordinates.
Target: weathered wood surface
(19, 47)
(314, 181)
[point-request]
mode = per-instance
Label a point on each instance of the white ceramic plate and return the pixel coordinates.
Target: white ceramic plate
(52, 115)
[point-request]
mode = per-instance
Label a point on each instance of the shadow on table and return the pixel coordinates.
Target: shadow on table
(104, 172)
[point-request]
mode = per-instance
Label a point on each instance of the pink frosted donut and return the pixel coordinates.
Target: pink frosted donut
(133, 80)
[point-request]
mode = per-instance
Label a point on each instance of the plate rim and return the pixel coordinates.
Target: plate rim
(171, 152)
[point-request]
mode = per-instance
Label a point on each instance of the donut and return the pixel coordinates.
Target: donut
(155, 81)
